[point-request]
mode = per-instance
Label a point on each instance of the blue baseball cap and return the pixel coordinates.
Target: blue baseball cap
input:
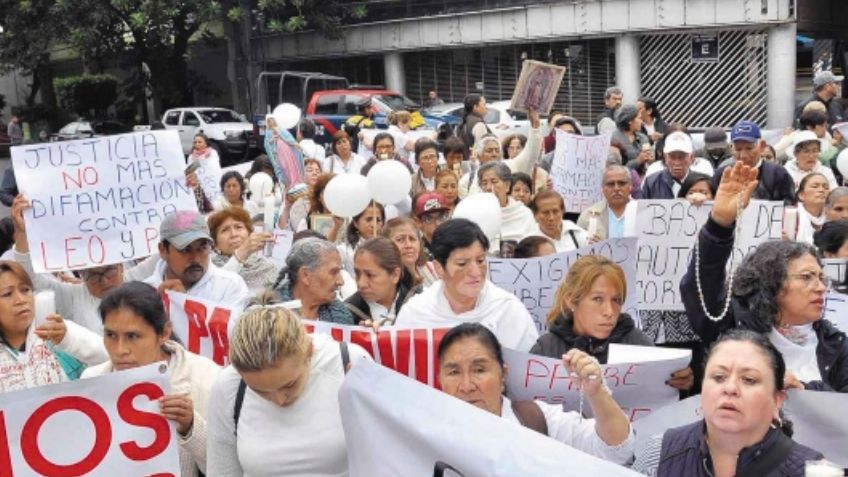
(747, 131)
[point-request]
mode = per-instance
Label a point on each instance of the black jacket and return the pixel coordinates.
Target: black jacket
(659, 186)
(8, 188)
(561, 338)
(363, 311)
(835, 111)
(775, 183)
(716, 244)
(466, 132)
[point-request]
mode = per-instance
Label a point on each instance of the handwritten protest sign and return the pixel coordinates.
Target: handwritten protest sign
(814, 421)
(578, 169)
(635, 377)
(835, 269)
(667, 231)
(836, 310)
(425, 432)
(203, 326)
(99, 201)
(282, 245)
(534, 281)
(209, 176)
(103, 426)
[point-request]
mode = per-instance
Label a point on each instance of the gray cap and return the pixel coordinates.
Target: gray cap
(715, 138)
(182, 228)
(826, 77)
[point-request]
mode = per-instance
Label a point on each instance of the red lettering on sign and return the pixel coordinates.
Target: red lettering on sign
(421, 361)
(153, 421)
(387, 355)
(215, 329)
(362, 338)
(404, 346)
(534, 370)
(5, 457)
(103, 437)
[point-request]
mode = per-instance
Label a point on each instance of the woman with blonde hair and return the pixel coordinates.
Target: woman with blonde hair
(275, 410)
(586, 315)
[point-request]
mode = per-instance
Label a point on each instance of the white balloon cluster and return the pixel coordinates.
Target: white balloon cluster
(388, 183)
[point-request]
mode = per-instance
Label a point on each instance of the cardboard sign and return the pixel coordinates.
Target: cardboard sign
(667, 231)
(578, 169)
(636, 375)
(534, 281)
(425, 432)
(100, 201)
(203, 326)
(104, 426)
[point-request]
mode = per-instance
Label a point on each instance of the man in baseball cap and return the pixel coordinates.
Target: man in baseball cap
(185, 246)
(827, 87)
(748, 145)
(716, 148)
(431, 210)
(678, 156)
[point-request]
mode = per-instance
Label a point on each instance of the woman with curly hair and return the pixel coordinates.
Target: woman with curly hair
(778, 290)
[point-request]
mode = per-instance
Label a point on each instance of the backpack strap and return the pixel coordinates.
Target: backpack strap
(345, 355)
(530, 415)
(574, 239)
(242, 387)
(770, 460)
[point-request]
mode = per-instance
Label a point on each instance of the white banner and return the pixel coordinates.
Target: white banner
(100, 201)
(578, 169)
(815, 416)
(423, 432)
(836, 310)
(636, 375)
(534, 281)
(667, 231)
(104, 426)
(203, 326)
(282, 245)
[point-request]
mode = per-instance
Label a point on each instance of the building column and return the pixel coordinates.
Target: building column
(627, 67)
(394, 74)
(781, 75)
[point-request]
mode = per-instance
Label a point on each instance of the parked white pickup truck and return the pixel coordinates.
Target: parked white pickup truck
(229, 132)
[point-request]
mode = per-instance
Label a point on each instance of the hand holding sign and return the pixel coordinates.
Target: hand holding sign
(734, 192)
(585, 370)
(180, 409)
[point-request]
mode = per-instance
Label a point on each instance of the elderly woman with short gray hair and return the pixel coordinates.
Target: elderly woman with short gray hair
(517, 219)
(630, 140)
(312, 275)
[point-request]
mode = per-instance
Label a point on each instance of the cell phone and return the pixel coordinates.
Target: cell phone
(194, 166)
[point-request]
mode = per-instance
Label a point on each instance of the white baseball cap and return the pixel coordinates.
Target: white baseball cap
(678, 141)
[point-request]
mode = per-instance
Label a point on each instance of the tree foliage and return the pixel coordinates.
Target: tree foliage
(87, 95)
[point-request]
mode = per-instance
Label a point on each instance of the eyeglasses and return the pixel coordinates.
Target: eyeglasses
(93, 278)
(435, 218)
(810, 279)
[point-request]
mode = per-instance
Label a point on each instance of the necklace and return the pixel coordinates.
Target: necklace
(728, 297)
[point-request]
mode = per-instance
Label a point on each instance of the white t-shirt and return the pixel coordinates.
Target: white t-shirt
(217, 285)
(334, 164)
(496, 309)
(305, 438)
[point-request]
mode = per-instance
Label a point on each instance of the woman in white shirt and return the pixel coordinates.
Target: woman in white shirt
(517, 220)
(471, 368)
(464, 294)
(805, 159)
(812, 195)
(366, 225)
(275, 410)
(233, 187)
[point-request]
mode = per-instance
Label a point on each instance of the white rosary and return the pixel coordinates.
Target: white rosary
(730, 280)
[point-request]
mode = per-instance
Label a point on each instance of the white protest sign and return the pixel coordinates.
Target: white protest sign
(836, 310)
(667, 231)
(282, 245)
(425, 432)
(638, 384)
(835, 269)
(534, 281)
(814, 421)
(203, 326)
(104, 426)
(209, 176)
(578, 168)
(100, 201)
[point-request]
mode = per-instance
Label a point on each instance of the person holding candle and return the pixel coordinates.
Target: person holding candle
(548, 208)
(472, 368)
(778, 290)
(237, 246)
(742, 431)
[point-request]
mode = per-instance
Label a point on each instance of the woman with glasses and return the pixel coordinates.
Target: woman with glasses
(778, 290)
(427, 157)
(805, 161)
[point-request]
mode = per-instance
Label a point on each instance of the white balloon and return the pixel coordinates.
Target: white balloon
(389, 182)
(347, 195)
(483, 209)
(842, 163)
(287, 115)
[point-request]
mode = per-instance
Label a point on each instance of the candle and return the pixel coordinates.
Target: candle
(45, 304)
(268, 215)
(790, 222)
(593, 226)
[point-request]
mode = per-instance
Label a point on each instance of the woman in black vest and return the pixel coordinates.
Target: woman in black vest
(471, 368)
(473, 125)
(742, 433)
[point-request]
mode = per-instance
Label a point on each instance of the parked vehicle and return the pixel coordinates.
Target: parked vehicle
(501, 120)
(83, 129)
(229, 133)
